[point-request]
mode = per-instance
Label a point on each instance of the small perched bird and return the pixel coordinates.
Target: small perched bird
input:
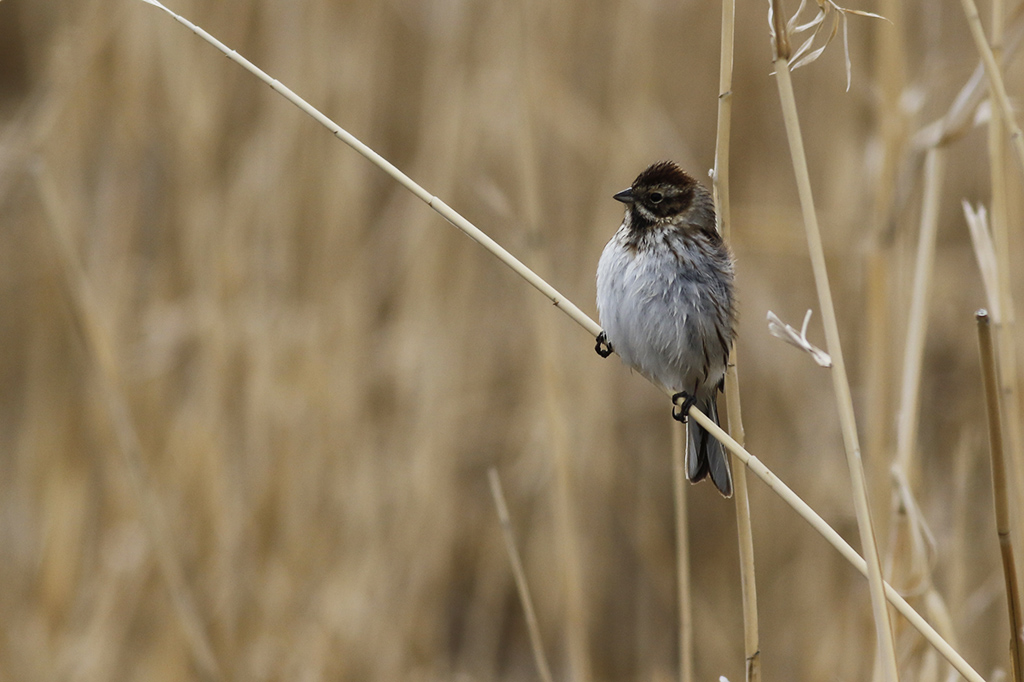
(665, 297)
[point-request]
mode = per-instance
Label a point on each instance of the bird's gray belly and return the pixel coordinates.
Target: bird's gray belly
(661, 323)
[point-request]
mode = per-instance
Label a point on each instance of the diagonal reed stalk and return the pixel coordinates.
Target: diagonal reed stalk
(995, 79)
(840, 382)
(833, 538)
(775, 484)
(1000, 497)
(446, 211)
(741, 498)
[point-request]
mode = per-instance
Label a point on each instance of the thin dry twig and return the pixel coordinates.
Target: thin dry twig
(543, 669)
(1000, 496)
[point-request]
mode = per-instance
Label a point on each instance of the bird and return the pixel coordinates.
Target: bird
(665, 299)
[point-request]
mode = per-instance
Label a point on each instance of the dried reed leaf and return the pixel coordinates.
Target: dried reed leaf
(826, 9)
(783, 331)
(985, 253)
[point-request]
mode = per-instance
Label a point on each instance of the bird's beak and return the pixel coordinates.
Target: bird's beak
(625, 196)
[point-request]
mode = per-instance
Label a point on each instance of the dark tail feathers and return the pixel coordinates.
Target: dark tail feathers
(704, 454)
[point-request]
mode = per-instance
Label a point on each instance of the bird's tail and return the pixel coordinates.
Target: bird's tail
(704, 454)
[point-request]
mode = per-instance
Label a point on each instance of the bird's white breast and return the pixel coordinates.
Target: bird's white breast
(656, 316)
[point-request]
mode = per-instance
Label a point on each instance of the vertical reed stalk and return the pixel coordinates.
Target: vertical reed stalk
(917, 325)
(682, 552)
(878, 371)
(878, 350)
(908, 553)
(751, 638)
(1000, 497)
(520, 576)
(1005, 321)
(840, 382)
(748, 584)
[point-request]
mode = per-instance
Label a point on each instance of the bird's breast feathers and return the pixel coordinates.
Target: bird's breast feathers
(657, 316)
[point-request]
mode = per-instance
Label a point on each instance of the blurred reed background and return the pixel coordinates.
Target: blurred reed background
(247, 416)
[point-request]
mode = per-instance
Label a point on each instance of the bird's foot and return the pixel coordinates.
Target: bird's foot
(603, 347)
(681, 409)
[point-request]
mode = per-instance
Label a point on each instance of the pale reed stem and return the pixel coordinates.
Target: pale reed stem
(520, 577)
(741, 498)
(1005, 322)
(999, 494)
(917, 327)
(446, 212)
(877, 347)
(995, 79)
(682, 552)
(840, 382)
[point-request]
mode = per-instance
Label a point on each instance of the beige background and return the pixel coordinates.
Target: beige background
(319, 371)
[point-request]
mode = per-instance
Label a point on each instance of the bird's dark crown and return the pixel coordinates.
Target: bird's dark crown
(663, 173)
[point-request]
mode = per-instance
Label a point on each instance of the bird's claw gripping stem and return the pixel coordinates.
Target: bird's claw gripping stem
(681, 409)
(603, 347)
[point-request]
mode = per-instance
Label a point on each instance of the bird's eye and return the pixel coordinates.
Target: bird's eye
(655, 197)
